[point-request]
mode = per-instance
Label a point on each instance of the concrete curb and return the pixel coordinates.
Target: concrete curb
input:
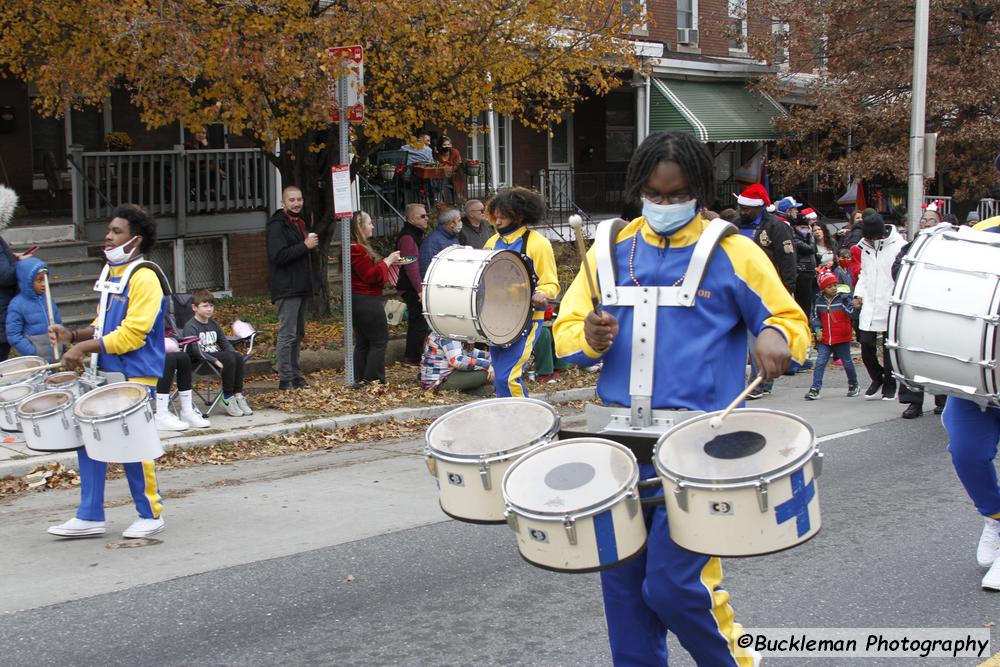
(21, 467)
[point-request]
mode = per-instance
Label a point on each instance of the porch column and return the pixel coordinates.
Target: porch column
(77, 184)
(641, 87)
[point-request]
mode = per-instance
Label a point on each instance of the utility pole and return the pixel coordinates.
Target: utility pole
(918, 99)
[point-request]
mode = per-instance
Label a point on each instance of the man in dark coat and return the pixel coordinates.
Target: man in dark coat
(8, 266)
(289, 257)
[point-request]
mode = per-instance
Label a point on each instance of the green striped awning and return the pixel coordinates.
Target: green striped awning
(712, 111)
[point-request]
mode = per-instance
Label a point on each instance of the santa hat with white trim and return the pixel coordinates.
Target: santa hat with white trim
(809, 214)
(754, 195)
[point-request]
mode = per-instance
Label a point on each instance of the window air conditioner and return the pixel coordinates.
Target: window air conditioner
(687, 36)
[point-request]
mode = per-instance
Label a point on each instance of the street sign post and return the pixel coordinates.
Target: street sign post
(352, 105)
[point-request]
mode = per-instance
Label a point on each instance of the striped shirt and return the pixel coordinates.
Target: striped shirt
(444, 355)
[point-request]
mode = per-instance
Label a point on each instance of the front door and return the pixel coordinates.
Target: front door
(559, 179)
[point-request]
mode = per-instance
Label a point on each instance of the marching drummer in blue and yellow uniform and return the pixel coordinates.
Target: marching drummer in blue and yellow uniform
(131, 343)
(973, 433)
(511, 212)
(700, 354)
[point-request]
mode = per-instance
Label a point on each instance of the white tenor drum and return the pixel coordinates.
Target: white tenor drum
(10, 396)
(574, 505)
(477, 295)
(116, 423)
(66, 380)
(47, 421)
(745, 489)
(470, 448)
(22, 364)
(944, 314)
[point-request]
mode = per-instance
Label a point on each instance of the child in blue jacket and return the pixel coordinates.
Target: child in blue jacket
(27, 315)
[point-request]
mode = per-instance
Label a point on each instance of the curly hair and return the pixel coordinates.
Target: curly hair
(140, 223)
(521, 205)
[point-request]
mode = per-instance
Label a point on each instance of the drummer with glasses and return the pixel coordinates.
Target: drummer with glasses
(131, 343)
(700, 360)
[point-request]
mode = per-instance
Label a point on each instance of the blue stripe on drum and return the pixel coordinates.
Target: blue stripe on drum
(607, 545)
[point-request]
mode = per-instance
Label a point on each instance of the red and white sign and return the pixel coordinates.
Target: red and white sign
(340, 175)
(353, 82)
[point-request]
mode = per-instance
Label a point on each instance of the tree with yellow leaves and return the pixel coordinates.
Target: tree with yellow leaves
(260, 66)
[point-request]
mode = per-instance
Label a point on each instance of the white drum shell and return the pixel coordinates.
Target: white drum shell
(126, 436)
(455, 286)
(943, 316)
(570, 541)
(53, 430)
(469, 485)
(727, 518)
(10, 396)
(66, 381)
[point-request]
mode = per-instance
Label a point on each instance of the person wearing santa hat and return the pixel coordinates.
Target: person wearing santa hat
(774, 237)
(913, 397)
(831, 323)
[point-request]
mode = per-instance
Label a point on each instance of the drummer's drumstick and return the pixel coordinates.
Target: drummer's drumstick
(48, 306)
(716, 421)
(32, 369)
(576, 222)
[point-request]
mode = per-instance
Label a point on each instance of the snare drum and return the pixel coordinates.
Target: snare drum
(47, 421)
(470, 448)
(744, 489)
(574, 505)
(20, 364)
(10, 396)
(478, 295)
(944, 312)
(116, 423)
(67, 380)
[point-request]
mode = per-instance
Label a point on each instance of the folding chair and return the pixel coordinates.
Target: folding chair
(203, 367)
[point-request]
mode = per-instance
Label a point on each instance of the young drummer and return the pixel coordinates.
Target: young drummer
(700, 357)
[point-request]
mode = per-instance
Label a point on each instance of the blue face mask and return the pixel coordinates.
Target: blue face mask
(666, 219)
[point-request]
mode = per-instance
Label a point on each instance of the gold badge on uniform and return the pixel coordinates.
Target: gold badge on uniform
(788, 247)
(764, 239)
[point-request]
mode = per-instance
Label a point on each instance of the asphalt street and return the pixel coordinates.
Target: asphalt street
(343, 558)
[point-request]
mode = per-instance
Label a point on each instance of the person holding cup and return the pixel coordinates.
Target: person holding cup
(293, 280)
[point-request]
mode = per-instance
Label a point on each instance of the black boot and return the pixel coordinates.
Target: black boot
(912, 411)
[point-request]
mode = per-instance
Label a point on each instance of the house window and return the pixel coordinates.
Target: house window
(819, 53)
(480, 143)
(687, 14)
(738, 25)
(779, 30)
(49, 136)
(619, 123)
(636, 10)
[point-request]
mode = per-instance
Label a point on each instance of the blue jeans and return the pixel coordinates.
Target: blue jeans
(841, 351)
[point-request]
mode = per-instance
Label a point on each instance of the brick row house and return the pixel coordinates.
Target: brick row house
(213, 204)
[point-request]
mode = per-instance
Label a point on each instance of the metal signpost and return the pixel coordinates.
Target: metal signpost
(350, 108)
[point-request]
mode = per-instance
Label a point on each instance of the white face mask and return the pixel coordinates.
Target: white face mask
(119, 254)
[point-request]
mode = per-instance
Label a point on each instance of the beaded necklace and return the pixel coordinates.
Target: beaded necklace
(631, 263)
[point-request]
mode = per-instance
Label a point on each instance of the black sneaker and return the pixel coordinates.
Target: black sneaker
(299, 383)
(812, 394)
(758, 393)
(285, 385)
(853, 390)
(874, 391)
(912, 411)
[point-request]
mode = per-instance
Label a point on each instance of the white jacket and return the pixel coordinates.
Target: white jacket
(875, 282)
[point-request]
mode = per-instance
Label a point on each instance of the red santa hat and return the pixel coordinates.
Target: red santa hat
(809, 214)
(754, 195)
(935, 206)
(825, 279)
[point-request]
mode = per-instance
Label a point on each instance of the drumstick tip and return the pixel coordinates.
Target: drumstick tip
(575, 221)
(715, 422)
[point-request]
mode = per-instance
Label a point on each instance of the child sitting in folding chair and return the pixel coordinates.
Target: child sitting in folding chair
(214, 348)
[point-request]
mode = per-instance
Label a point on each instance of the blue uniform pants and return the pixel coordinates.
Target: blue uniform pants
(141, 482)
(508, 363)
(668, 588)
(972, 443)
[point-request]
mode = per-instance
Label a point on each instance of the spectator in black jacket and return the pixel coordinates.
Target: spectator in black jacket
(289, 257)
(8, 266)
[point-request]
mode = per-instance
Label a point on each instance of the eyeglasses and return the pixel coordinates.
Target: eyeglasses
(657, 198)
(423, 215)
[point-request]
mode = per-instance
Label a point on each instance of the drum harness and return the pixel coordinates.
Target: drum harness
(106, 288)
(639, 426)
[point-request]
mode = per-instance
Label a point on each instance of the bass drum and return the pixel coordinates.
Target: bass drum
(944, 312)
(746, 488)
(478, 296)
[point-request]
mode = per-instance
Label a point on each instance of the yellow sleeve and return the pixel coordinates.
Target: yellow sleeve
(491, 242)
(145, 297)
(987, 224)
(576, 303)
(540, 251)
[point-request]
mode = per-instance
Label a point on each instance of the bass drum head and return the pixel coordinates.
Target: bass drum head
(570, 477)
(19, 364)
(493, 427)
(503, 301)
(109, 400)
(749, 444)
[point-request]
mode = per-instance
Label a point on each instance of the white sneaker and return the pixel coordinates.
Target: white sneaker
(168, 421)
(989, 543)
(78, 528)
(144, 528)
(232, 407)
(992, 579)
(194, 419)
(244, 406)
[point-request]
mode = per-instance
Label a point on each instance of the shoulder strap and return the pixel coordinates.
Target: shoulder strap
(607, 259)
(704, 249)
(155, 268)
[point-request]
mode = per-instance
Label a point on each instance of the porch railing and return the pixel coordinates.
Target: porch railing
(168, 183)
